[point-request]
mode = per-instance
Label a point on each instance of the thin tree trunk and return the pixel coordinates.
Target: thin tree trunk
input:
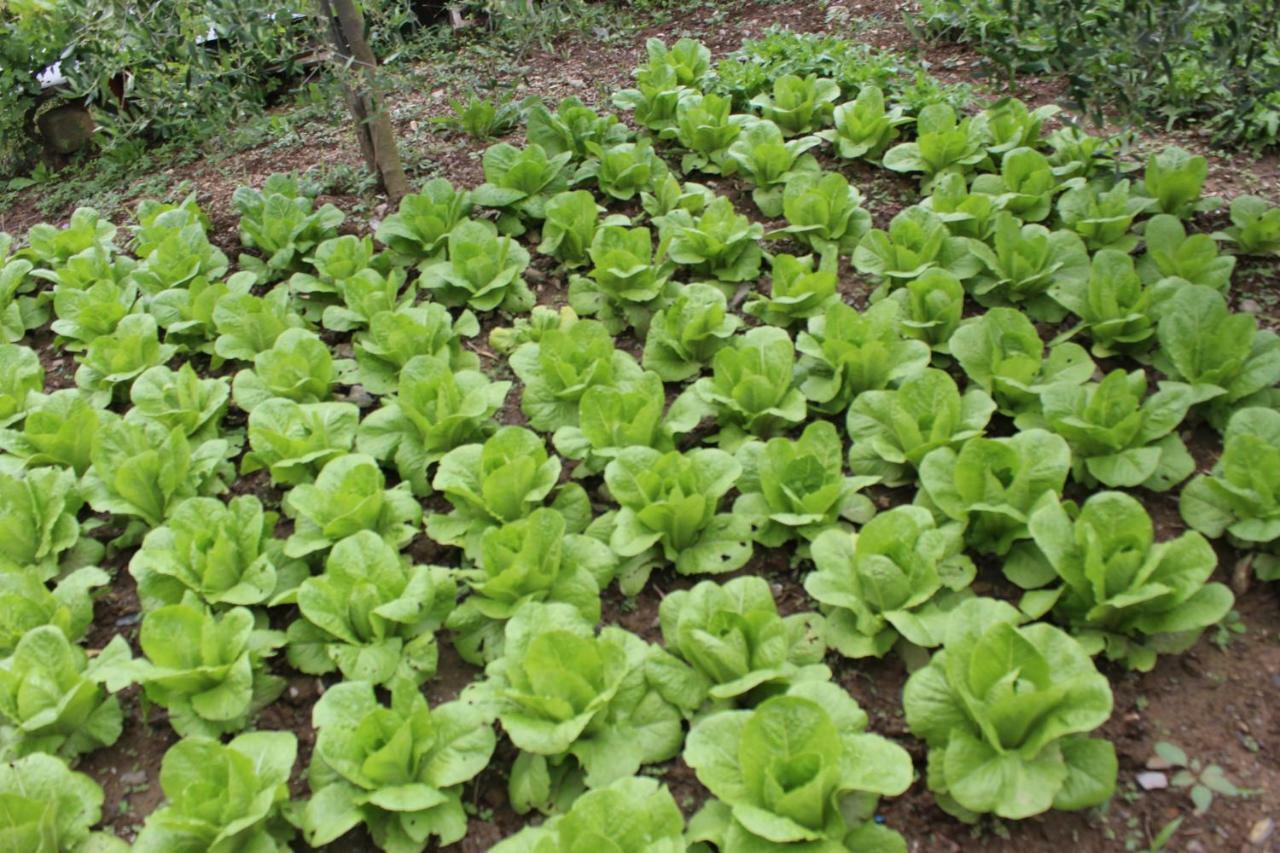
(373, 124)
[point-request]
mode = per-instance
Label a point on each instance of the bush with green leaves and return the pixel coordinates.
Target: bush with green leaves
(705, 128)
(623, 170)
(1226, 359)
(797, 291)
(571, 127)
(396, 768)
(824, 213)
(769, 161)
(1171, 253)
(394, 338)
(418, 230)
(48, 806)
(59, 429)
(370, 615)
(1240, 496)
(282, 225)
(534, 558)
(1255, 226)
(21, 381)
(434, 410)
(752, 390)
(1023, 263)
(1098, 570)
(224, 553)
(579, 705)
(208, 669)
(1117, 309)
(1002, 353)
(794, 489)
(293, 441)
(219, 796)
(500, 481)
(686, 334)
(39, 532)
(626, 284)
(349, 495)
(943, 145)
(518, 182)
(728, 645)
(1119, 436)
(992, 486)
(893, 583)
(298, 366)
(917, 241)
(573, 218)
(1101, 215)
(635, 813)
(669, 514)
(845, 353)
(52, 697)
(800, 770)
(1006, 711)
(561, 365)
(798, 105)
(930, 308)
(863, 128)
(482, 270)
(248, 325)
(719, 244)
(114, 360)
(893, 429)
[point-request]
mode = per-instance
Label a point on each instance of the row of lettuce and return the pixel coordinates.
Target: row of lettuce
(801, 407)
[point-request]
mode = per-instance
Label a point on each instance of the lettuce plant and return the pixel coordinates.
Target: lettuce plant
(894, 429)
(52, 699)
(1076, 154)
(298, 367)
(348, 496)
(225, 553)
(943, 145)
(19, 311)
(433, 411)
(541, 320)
(688, 59)
(482, 270)
(1024, 262)
(1224, 357)
(623, 170)
(863, 128)
(418, 230)
(48, 806)
(796, 290)
(370, 615)
(86, 229)
(503, 480)
(770, 162)
(1174, 178)
(1006, 711)
(179, 399)
(82, 315)
(705, 128)
(293, 441)
(1255, 226)
(824, 213)
(626, 284)
(59, 429)
(736, 647)
(398, 768)
(752, 389)
(654, 99)
(248, 325)
(798, 105)
(719, 244)
(519, 181)
(573, 218)
(1119, 436)
(633, 814)
(670, 195)
(116, 359)
(800, 770)
(893, 582)
(38, 526)
(993, 485)
(1102, 216)
(559, 367)
(27, 603)
(1002, 354)
(395, 337)
(218, 796)
(966, 213)
(282, 225)
(176, 253)
(1119, 591)
(684, 336)
(571, 127)
(577, 702)
(613, 417)
(186, 313)
(1240, 496)
(845, 353)
(21, 381)
(535, 558)
(796, 488)
(1171, 253)
(366, 294)
(207, 669)
(1116, 308)
(930, 308)
(1008, 124)
(917, 241)
(142, 471)
(1024, 187)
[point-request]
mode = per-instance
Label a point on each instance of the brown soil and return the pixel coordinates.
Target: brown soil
(1218, 701)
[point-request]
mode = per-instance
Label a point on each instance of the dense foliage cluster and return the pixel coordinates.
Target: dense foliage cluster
(759, 408)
